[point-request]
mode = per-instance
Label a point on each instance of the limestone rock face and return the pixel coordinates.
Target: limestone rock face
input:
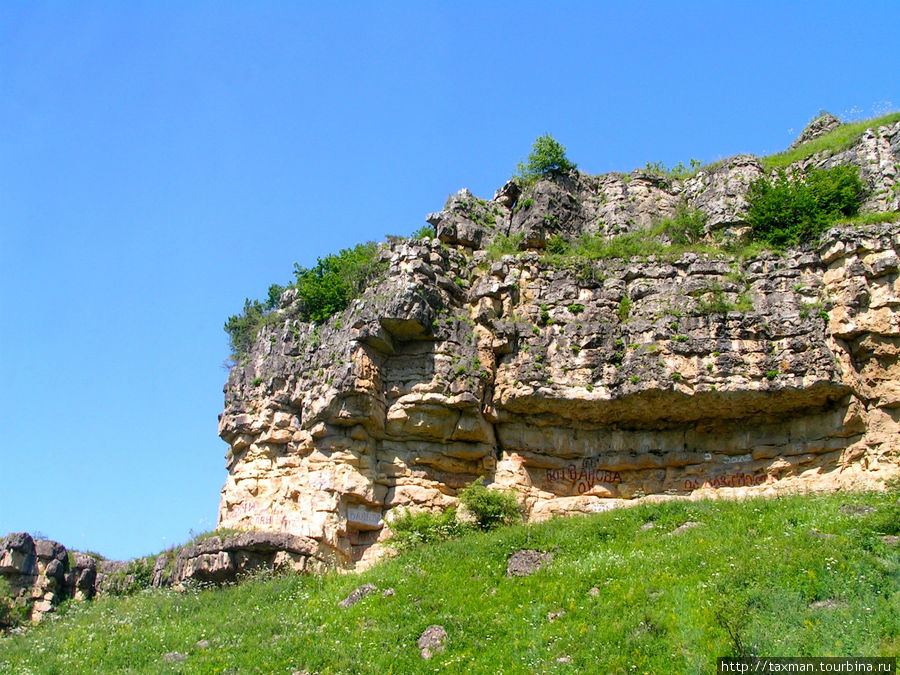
(583, 387)
(720, 192)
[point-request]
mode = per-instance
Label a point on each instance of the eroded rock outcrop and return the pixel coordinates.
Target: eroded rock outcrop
(220, 559)
(583, 386)
(41, 573)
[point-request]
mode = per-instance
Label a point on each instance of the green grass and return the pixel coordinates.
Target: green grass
(831, 143)
(870, 218)
(504, 245)
(640, 244)
(754, 569)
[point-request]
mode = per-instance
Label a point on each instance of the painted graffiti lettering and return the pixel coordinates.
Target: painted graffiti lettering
(739, 479)
(583, 477)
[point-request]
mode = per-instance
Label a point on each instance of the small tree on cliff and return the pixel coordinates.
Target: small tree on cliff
(547, 156)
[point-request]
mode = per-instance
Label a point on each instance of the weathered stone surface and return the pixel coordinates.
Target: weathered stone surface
(17, 554)
(219, 559)
(684, 527)
(857, 509)
(37, 571)
(432, 640)
(720, 192)
(584, 388)
(356, 595)
(470, 221)
(527, 561)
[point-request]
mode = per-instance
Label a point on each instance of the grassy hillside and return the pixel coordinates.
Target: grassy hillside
(788, 576)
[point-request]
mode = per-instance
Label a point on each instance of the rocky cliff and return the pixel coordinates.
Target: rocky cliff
(582, 384)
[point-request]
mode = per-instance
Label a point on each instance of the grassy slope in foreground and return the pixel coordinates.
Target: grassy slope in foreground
(755, 569)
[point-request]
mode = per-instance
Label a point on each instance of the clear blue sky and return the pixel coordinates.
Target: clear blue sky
(160, 162)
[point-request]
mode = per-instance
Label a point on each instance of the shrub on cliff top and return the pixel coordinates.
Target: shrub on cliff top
(793, 209)
(323, 290)
(547, 156)
(335, 280)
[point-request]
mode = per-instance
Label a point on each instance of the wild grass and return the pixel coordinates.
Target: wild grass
(504, 245)
(871, 218)
(667, 239)
(786, 576)
(831, 143)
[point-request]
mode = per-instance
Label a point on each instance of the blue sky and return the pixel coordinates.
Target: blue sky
(160, 162)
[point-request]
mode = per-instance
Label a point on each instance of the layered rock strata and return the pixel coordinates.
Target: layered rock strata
(582, 385)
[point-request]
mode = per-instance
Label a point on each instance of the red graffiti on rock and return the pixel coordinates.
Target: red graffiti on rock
(583, 478)
(739, 479)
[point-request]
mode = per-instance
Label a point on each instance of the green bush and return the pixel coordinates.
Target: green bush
(557, 245)
(626, 246)
(335, 280)
(523, 204)
(547, 156)
(8, 617)
(718, 303)
(624, 311)
(490, 508)
(794, 209)
(411, 529)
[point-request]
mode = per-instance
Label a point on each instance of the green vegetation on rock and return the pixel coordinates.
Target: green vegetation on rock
(547, 156)
(792, 209)
(828, 144)
(335, 280)
(677, 172)
(424, 527)
(504, 245)
(11, 613)
(322, 291)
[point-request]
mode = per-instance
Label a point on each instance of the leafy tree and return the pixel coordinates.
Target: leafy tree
(547, 156)
(794, 209)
